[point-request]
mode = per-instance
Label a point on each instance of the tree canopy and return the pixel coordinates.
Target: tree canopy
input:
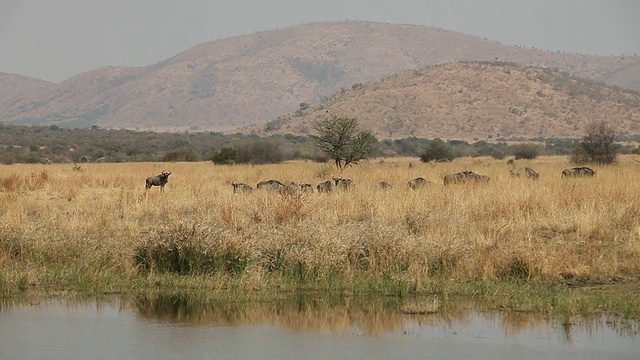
(599, 143)
(341, 139)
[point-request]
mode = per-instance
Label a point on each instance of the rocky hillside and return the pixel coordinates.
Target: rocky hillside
(12, 85)
(252, 79)
(471, 101)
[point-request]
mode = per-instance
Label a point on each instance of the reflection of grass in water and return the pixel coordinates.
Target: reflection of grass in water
(371, 315)
(97, 230)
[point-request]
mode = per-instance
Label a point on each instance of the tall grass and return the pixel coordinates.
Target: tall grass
(99, 230)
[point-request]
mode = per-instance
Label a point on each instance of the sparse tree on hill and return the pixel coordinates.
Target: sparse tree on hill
(342, 140)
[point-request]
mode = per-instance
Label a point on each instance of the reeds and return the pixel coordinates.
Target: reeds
(100, 229)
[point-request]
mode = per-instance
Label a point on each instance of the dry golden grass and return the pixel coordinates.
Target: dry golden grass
(86, 229)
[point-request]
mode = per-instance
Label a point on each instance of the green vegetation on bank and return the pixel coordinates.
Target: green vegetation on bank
(53, 144)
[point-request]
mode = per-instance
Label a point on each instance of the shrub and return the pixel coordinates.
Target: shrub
(437, 151)
(526, 151)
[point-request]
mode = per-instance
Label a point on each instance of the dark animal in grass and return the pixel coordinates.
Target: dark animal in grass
(160, 180)
(295, 187)
(384, 185)
(464, 177)
(241, 187)
(417, 183)
(326, 186)
(524, 172)
(342, 183)
(579, 171)
(271, 185)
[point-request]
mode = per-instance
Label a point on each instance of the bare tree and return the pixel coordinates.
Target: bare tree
(599, 143)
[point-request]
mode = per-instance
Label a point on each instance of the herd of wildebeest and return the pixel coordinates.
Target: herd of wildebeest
(462, 177)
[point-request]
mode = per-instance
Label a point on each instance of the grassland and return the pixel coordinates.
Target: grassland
(542, 245)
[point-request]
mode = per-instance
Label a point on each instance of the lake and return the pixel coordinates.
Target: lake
(303, 327)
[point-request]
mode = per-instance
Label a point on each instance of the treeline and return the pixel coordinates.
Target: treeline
(53, 144)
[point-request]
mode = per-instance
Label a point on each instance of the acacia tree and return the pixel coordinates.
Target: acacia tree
(599, 143)
(341, 139)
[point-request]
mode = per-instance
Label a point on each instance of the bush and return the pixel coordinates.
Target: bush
(526, 151)
(261, 152)
(226, 156)
(437, 151)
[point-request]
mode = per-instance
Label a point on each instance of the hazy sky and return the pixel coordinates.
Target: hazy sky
(56, 39)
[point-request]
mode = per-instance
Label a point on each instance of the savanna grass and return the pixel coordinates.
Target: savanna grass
(97, 229)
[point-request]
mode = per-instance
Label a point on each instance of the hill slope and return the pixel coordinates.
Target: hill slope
(12, 85)
(469, 101)
(255, 78)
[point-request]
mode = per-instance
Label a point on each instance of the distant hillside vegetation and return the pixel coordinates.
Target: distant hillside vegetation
(472, 101)
(12, 85)
(255, 78)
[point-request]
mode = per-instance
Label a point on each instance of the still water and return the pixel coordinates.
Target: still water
(178, 327)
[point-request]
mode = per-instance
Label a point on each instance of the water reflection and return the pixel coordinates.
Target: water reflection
(371, 316)
(166, 326)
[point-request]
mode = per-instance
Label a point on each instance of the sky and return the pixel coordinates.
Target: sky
(54, 40)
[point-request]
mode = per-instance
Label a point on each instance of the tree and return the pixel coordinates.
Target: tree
(438, 151)
(342, 140)
(226, 155)
(599, 143)
(526, 151)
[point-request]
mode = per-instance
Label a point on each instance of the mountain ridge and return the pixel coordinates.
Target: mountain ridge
(253, 79)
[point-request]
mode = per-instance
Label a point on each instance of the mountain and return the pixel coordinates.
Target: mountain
(252, 79)
(12, 85)
(471, 101)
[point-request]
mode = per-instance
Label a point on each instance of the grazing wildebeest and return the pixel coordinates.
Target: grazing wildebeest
(578, 172)
(160, 180)
(417, 183)
(384, 185)
(326, 186)
(306, 187)
(241, 187)
(525, 171)
(271, 185)
(294, 187)
(342, 183)
(464, 176)
(455, 178)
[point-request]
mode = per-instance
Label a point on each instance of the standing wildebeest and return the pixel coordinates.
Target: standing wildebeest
(342, 183)
(465, 176)
(271, 185)
(384, 185)
(325, 186)
(578, 172)
(160, 180)
(294, 187)
(525, 171)
(241, 187)
(417, 183)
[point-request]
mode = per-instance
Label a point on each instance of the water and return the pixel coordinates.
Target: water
(177, 327)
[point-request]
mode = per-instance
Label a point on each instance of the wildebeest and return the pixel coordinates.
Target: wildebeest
(384, 185)
(465, 176)
(160, 180)
(525, 171)
(306, 187)
(294, 187)
(241, 187)
(578, 172)
(342, 183)
(271, 185)
(326, 186)
(417, 182)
